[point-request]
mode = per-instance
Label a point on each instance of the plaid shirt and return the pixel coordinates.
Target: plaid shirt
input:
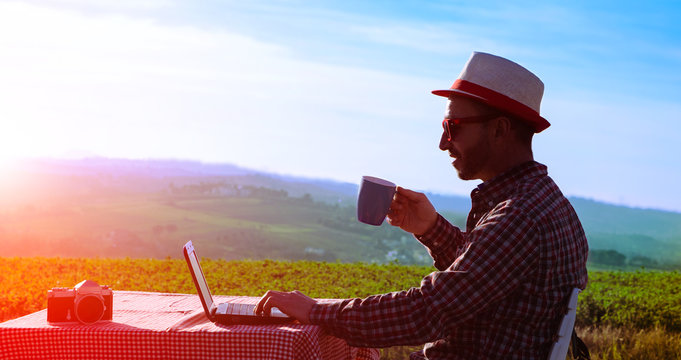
(502, 285)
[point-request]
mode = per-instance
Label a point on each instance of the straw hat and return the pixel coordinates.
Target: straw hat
(502, 84)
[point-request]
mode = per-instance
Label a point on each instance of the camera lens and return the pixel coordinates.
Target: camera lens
(89, 309)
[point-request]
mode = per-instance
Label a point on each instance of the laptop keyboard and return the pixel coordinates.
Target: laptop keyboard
(244, 309)
(240, 309)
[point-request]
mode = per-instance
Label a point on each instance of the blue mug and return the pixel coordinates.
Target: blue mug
(373, 202)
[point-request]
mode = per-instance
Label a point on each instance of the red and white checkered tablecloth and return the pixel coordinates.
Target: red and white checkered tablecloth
(167, 326)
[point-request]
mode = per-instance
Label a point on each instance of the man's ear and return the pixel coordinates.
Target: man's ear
(502, 126)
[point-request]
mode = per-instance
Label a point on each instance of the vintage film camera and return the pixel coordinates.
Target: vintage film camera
(88, 302)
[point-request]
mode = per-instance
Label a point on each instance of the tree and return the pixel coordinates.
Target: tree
(607, 257)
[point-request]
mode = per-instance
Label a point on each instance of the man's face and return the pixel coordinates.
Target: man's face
(470, 144)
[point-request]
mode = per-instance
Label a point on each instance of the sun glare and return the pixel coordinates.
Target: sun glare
(6, 161)
(8, 164)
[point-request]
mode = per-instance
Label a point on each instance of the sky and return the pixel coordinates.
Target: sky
(341, 89)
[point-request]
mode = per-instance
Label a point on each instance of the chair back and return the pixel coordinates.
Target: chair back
(560, 346)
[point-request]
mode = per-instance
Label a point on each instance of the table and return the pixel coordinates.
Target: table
(149, 325)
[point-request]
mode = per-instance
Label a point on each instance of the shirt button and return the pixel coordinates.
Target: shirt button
(490, 203)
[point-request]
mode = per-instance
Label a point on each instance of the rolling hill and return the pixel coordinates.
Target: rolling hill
(149, 208)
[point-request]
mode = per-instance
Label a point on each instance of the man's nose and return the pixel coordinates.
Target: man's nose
(444, 143)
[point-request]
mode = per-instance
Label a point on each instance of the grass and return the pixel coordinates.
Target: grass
(604, 324)
(606, 343)
(625, 343)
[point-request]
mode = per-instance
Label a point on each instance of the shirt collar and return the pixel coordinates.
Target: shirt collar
(496, 189)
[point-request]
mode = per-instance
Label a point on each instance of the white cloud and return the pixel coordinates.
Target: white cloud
(109, 5)
(119, 86)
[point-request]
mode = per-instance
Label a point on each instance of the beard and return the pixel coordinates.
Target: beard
(470, 162)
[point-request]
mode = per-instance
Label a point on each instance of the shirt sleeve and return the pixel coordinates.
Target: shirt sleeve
(443, 242)
(499, 253)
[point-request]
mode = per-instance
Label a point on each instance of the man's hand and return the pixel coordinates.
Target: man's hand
(412, 211)
(294, 304)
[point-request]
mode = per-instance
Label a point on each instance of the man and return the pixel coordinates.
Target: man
(502, 284)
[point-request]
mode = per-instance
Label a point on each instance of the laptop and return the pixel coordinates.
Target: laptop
(226, 313)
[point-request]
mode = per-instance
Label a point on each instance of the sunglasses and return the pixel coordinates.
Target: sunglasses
(450, 125)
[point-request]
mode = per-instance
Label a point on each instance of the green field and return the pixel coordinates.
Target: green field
(141, 209)
(621, 315)
(256, 223)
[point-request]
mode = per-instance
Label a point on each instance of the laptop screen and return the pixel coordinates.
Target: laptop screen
(199, 279)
